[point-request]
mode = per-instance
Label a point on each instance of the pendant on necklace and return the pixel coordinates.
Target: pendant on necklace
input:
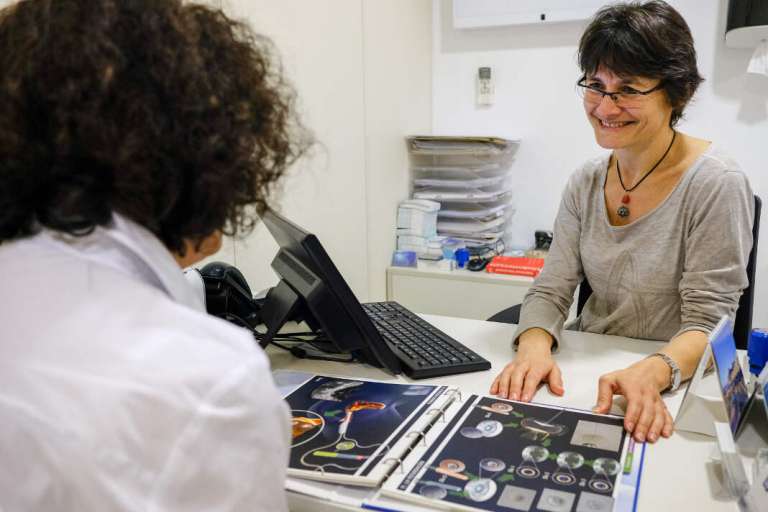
(623, 211)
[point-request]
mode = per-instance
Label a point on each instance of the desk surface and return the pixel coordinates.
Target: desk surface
(677, 475)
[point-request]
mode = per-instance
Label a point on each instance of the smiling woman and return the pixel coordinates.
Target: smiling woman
(660, 227)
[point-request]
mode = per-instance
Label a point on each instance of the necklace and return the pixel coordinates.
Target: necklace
(623, 210)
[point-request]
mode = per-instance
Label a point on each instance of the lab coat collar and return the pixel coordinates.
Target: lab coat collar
(132, 249)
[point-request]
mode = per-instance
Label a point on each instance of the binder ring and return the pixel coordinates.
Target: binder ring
(399, 464)
(420, 434)
(439, 412)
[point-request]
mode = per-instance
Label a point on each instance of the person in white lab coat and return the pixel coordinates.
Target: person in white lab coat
(133, 134)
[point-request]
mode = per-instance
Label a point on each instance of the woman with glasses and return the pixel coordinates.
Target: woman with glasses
(660, 226)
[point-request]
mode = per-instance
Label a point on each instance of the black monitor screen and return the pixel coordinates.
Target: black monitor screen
(311, 283)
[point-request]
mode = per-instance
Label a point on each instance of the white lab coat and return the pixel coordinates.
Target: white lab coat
(118, 391)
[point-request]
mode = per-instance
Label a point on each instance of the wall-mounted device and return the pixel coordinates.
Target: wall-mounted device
(484, 87)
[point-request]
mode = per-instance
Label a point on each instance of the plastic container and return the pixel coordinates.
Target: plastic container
(757, 350)
(450, 246)
(404, 259)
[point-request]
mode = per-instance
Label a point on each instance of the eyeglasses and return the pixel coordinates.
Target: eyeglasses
(627, 97)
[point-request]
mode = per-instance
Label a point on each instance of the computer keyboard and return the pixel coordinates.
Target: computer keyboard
(424, 350)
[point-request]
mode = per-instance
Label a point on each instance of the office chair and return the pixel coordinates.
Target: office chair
(742, 325)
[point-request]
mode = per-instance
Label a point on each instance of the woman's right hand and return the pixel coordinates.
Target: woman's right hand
(533, 364)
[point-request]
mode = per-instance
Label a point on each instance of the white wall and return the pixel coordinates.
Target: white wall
(320, 45)
(535, 70)
(398, 90)
(361, 90)
(362, 70)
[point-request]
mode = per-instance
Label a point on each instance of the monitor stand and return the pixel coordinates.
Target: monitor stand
(284, 304)
(281, 305)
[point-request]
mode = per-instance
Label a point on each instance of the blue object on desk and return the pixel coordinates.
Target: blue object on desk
(757, 350)
(462, 257)
(404, 259)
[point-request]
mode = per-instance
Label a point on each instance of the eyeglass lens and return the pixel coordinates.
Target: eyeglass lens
(594, 95)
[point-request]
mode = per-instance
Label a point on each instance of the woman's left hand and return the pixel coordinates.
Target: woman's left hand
(641, 384)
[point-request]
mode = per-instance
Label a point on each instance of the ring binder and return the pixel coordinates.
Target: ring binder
(442, 434)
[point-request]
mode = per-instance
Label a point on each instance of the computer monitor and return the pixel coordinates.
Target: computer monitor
(311, 287)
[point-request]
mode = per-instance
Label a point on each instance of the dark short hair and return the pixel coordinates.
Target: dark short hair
(170, 113)
(648, 39)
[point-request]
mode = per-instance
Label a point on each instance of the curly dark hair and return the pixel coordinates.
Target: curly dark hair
(169, 113)
(648, 39)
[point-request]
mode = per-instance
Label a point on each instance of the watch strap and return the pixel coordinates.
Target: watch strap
(675, 377)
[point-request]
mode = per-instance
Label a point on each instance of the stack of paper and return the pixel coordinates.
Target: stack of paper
(468, 176)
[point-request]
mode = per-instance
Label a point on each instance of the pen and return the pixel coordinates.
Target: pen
(321, 453)
(630, 456)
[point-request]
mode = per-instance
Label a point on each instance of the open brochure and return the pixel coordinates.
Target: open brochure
(432, 448)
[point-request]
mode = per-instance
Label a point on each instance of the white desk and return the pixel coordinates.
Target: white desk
(677, 474)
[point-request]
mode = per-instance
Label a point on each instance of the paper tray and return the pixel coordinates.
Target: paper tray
(438, 144)
(487, 183)
(461, 172)
(478, 162)
(459, 197)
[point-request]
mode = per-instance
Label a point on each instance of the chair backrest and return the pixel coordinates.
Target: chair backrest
(743, 324)
(584, 292)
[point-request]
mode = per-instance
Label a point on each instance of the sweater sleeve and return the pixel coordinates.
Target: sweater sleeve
(547, 302)
(717, 247)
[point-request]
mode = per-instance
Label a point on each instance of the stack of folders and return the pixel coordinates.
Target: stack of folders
(382, 445)
(468, 176)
